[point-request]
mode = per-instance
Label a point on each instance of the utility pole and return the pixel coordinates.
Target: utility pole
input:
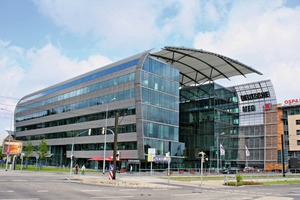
(115, 144)
(282, 153)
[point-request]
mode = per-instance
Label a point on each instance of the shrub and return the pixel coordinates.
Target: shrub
(239, 178)
(251, 183)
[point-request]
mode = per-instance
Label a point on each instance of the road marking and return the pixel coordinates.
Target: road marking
(112, 197)
(7, 191)
(159, 189)
(91, 190)
(43, 191)
(125, 190)
(23, 199)
(179, 195)
(19, 180)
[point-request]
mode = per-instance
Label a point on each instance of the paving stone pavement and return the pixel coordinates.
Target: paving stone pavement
(151, 181)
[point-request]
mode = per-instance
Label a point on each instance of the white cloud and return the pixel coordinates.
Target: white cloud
(264, 36)
(134, 24)
(24, 72)
(113, 23)
(49, 66)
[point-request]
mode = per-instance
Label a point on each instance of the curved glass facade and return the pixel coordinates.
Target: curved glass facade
(153, 112)
(78, 105)
(160, 105)
(84, 90)
(82, 80)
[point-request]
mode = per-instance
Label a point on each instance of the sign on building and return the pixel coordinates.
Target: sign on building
(12, 147)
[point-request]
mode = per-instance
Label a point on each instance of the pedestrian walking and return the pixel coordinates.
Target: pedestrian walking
(130, 169)
(82, 169)
(76, 169)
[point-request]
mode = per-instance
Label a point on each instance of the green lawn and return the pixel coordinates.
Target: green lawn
(254, 180)
(281, 182)
(48, 169)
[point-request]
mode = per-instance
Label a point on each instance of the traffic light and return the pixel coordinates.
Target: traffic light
(203, 156)
(200, 154)
(118, 155)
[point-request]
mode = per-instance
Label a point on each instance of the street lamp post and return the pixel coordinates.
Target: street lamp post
(8, 147)
(218, 151)
(72, 151)
(105, 132)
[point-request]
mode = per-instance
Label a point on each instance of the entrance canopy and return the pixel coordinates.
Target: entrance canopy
(97, 158)
(199, 66)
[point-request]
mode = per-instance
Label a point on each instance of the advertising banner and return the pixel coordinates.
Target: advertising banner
(12, 147)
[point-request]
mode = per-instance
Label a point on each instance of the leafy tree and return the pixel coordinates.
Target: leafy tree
(43, 149)
(1, 155)
(28, 149)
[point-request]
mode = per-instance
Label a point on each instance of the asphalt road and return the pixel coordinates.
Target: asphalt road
(24, 185)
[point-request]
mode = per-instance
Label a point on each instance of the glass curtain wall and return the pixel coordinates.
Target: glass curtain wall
(206, 112)
(160, 105)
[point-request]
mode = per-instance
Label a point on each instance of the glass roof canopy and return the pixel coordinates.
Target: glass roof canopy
(199, 66)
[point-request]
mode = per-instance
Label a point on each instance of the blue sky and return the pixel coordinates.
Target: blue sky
(44, 42)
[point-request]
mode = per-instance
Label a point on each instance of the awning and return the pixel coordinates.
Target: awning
(97, 158)
(199, 66)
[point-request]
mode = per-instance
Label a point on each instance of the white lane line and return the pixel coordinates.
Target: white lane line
(23, 199)
(160, 189)
(112, 197)
(91, 190)
(7, 191)
(125, 190)
(43, 191)
(19, 180)
(179, 195)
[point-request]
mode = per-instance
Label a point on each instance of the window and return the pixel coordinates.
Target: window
(298, 132)
(297, 122)
(298, 142)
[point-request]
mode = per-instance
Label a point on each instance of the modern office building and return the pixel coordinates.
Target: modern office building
(165, 100)
(258, 124)
(236, 119)
(290, 128)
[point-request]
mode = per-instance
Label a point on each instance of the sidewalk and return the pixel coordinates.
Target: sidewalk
(148, 181)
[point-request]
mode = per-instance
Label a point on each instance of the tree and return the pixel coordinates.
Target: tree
(28, 149)
(1, 156)
(43, 150)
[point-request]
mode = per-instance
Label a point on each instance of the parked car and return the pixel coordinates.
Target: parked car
(248, 169)
(295, 170)
(231, 170)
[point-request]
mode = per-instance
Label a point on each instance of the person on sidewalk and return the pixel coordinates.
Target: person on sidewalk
(82, 169)
(130, 169)
(76, 169)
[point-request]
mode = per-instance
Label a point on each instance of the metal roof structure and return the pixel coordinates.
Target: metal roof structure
(199, 66)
